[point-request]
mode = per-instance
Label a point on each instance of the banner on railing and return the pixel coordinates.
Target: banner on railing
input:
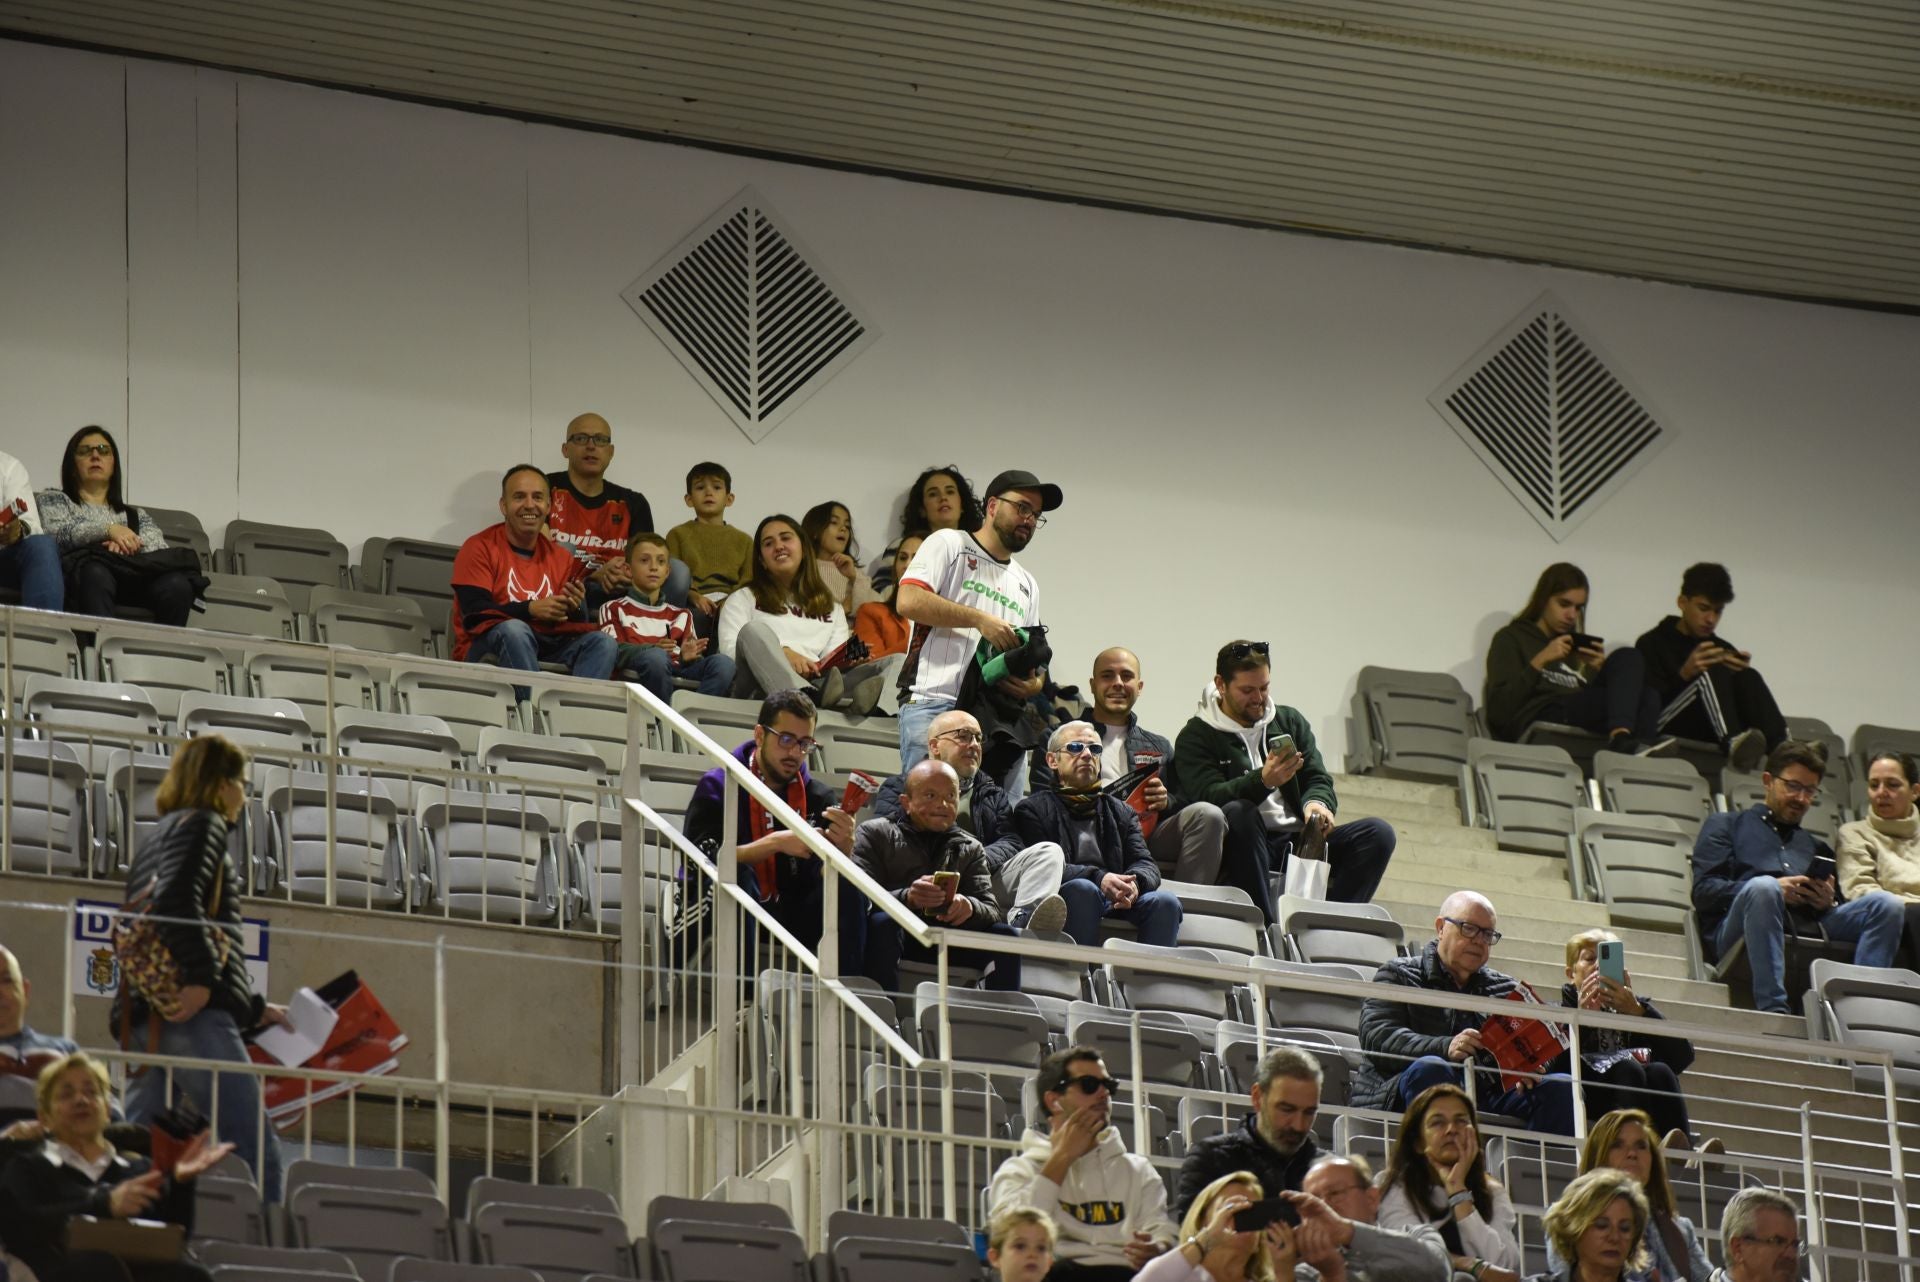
(96, 972)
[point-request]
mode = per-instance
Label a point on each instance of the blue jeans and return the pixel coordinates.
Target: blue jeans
(1155, 915)
(915, 718)
(516, 645)
(1547, 1106)
(655, 668)
(212, 1034)
(1871, 923)
(33, 566)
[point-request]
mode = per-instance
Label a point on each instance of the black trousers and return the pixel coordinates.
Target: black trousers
(1068, 1271)
(98, 1266)
(94, 589)
(1653, 1088)
(1743, 703)
(1357, 856)
(1616, 699)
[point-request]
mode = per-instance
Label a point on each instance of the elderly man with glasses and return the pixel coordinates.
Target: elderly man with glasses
(1338, 1238)
(1760, 1231)
(1256, 760)
(1752, 867)
(1109, 871)
(1408, 1048)
(1026, 879)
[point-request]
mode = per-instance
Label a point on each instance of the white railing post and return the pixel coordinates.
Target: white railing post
(331, 747)
(726, 1012)
(68, 1016)
(1575, 1067)
(631, 974)
(828, 1057)
(1897, 1164)
(949, 1172)
(442, 1076)
(1816, 1220)
(1142, 1139)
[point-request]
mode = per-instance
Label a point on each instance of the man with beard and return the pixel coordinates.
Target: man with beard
(1275, 1141)
(960, 588)
(1026, 879)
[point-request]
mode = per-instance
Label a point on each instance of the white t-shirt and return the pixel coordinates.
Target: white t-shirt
(952, 564)
(14, 487)
(1113, 753)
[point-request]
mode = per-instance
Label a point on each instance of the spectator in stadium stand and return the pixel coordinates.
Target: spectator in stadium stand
(657, 640)
(1595, 1230)
(939, 499)
(1020, 1245)
(777, 868)
(878, 623)
(1751, 868)
(1625, 1140)
(1026, 879)
(718, 556)
(1437, 1174)
(1369, 1253)
(1274, 1141)
(29, 558)
(593, 518)
(1213, 1249)
(1621, 1069)
(965, 586)
(1708, 689)
(1535, 672)
(77, 1172)
(1881, 852)
(1407, 1048)
(101, 538)
(1109, 871)
(1109, 1205)
(1760, 1237)
(24, 1052)
(1257, 761)
(828, 529)
(519, 597)
(909, 858)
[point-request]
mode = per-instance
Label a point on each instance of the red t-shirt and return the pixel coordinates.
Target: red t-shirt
(596, 529)
(488, 563)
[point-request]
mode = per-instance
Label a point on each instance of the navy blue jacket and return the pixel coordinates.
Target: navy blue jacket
(1042, 816)
(1738, 846)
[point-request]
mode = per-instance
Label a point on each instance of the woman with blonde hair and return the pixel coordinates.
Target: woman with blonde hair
(1212, 1250)
(1596, 1227)
(183, 879)
(1626, 1140)
(1020, 1244)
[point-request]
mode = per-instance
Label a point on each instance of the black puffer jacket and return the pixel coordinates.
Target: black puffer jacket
(1241, 1149)
(185, 860)
(1395, 1033)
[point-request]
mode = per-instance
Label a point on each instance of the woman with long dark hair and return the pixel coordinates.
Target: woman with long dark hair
(828, 528)
(784, 630)
(185, 880)
(1544, 666)
(95, 529)
(939, 499)
(1437, 1175)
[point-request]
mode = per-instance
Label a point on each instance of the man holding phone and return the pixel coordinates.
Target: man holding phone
(1752, 867)
(1109, 1206)
(1707, 687)
(937, 869)
(1256, 760)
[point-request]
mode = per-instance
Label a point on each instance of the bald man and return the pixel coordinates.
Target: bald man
(23, 1052)
(593, 518)
(909, 856)
(1408, 1048)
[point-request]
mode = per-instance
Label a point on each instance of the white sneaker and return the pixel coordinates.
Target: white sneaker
(1047, 916)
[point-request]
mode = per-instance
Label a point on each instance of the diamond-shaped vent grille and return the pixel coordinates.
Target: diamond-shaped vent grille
(1549, 417)
(750, 315)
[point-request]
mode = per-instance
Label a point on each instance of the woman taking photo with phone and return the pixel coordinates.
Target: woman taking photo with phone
(1616, 1077)
(1213, 1248)
(1437, 1175)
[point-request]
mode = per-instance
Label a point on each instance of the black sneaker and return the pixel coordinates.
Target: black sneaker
(1745, 750)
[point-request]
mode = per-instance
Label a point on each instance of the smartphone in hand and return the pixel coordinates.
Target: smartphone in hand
(1610, 959)
(1253, 1218)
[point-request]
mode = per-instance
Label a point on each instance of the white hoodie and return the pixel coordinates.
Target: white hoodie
(1108, 1196)
(1274, 811)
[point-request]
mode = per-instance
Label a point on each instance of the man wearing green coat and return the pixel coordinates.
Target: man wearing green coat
(1257, 761)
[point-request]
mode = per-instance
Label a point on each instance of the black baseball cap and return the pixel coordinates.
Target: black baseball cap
(1049, 494)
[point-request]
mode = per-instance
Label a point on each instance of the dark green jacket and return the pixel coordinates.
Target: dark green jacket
(1210, 764)
(1516, 693)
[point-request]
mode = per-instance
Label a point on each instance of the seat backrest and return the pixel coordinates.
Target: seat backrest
(701, 1211)
(559, 1241)
(1869, 740)
(1420, 721)
(1319, 930)
(1152, 990)
(1169, 1046)
(90, 714)
(1320, 1011)
(371, 1226)
(1640, 865)
(396, 738)
(875, 1259)
(1526, 792)
(420, 569)
(299, 558)
(38, 648)
(182, 529)
(595, 717)
(302, 679)
(257, 724)
(725, 721)
(467, 704)
(292, 1259)
(699, 1251)
(49, 817)
(409, 1270)
(492, 1188)
(227, 1210)
(1871, 1005)
(1239, 1051)
(1652, 786)
(303, 1171)
(246, 605)
(987, 1028)
(369, 621)
(894, 1228)
(164, 669)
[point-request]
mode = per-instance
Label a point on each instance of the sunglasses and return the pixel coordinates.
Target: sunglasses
(1076, 748)
(1088, 1083)
(1246, 649)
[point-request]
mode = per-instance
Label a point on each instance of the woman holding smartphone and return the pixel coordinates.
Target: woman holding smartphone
(1617, 1073)
(1212, 1247)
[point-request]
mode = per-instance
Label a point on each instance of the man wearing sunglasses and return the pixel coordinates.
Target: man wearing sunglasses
(1752, 867)
(1408, 1048)
(1109, 870)
(776, 867)
(1109, 1206)
(593, 518)
(1256, 760)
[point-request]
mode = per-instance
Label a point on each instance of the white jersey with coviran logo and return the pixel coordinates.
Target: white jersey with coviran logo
(952, 564)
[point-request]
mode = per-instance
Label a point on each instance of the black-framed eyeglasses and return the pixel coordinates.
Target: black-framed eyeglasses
(1079, 746)
(1475, 933)
(1811, 791)
(1246, 649)
(1025, 510)
(1774, 1240)
(98, 450)
(806, 743)
(965, 738)
(588, 438)
(1089, 1083)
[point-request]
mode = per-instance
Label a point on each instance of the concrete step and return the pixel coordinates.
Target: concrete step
(1768, 1094)
(1785, 1070)
(1534, 917)
(1553, 952)
(1746, 1118)
(1399, 812)
(1441, 880)
(1471, 853)
(1735, 1020)
(1435, 841)
(1409, 791)
(1546, 978)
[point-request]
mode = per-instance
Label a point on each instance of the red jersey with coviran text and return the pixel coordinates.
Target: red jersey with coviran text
(596, 529)
(489, 562)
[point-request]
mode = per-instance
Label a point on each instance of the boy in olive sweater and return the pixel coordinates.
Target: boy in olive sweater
(1257, 761)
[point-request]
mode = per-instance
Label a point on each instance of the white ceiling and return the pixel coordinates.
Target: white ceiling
(1750, 144)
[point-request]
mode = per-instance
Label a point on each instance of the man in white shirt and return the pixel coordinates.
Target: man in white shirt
(29, 560)
(964, 586)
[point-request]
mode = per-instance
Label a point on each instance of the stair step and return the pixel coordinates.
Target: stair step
(1734, 1020)
(1782, 1070)
(1470, 848)
(1445, 878)
(1435, 841)
(1707, 1113)
(1770, 1093)
(1639, 963)
(1398, 812)
(1541, 918)
(1411, 791)
(1546, 977)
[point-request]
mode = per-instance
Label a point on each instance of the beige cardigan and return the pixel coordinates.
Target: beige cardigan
(1880, 854)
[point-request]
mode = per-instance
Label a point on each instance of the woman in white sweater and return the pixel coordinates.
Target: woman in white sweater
(1438, 1176)
(784, 630)
(1882, 851)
